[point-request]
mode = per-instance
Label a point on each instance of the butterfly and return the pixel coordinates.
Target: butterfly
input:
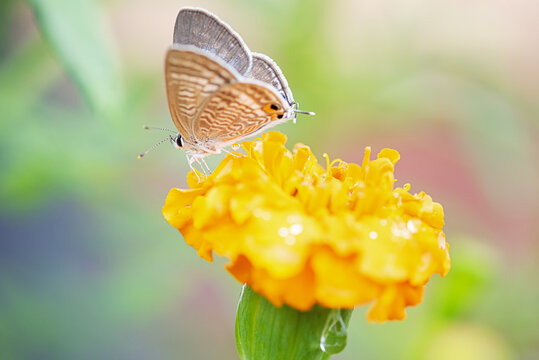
(218, 91)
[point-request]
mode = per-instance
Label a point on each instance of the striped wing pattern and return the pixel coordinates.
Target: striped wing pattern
(190, 79)
(218, 91)
(234, 112)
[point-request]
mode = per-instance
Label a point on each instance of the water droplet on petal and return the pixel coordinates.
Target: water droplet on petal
(262, 214)
(399, 230)
(373, 235)
(411, 225)
(296, 229)
(333, 339)
(290, 240)
(283, 232)
(441, 241)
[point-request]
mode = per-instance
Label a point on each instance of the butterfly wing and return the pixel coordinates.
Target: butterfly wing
(205, 31)
(218, 91)
(238, 110)
(266, 70)
(191, 77)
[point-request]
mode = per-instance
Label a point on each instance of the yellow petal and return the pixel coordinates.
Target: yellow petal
(302, 233)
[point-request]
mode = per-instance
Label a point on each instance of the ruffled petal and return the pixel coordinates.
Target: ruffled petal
(301, 234)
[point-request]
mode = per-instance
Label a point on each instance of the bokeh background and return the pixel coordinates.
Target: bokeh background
(89, 269)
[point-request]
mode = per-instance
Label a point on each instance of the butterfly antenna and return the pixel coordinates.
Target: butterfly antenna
(297, 110)
(153, 147)
(304, 112)
(158, 128)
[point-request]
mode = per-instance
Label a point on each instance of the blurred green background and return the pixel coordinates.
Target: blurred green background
(89, 269)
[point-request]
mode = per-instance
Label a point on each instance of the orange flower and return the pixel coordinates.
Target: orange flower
(302, 235)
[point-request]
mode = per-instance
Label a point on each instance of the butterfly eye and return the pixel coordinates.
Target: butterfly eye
(179, 142)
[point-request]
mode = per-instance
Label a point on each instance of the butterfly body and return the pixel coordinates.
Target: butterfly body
(218, 91)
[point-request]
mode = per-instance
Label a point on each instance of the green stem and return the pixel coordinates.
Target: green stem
(264, 331)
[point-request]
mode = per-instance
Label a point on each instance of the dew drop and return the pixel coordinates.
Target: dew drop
(296, 229)
(262, 214)
(283, 232)
(290, 240)
(411, 226)
(373, 235)
(400, 230)
(333, 339)
(441, 241)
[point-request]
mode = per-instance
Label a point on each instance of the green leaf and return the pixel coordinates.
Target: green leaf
(264, 331)
(24, 76)
(76, 31)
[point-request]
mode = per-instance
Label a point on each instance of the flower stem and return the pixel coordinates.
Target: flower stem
(264, 331)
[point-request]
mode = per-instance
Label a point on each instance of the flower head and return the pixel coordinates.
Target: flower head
(301, 234)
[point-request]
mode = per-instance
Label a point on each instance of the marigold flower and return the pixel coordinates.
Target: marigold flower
(301, 234)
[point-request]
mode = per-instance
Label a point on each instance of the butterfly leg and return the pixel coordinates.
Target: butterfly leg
(190, 160)
(200, 164)
(230, 153)
(205, 164)
(197, 159)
